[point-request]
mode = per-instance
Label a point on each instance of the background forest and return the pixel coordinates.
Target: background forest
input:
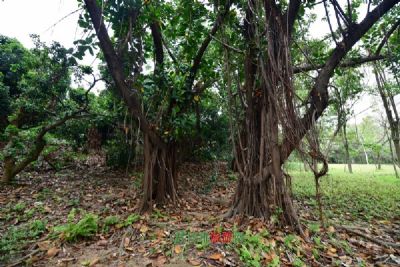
(222, 133)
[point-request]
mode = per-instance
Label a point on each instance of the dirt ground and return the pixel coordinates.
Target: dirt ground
(205, 191)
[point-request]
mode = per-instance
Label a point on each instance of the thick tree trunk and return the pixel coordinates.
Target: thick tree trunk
(8, 175)
(160, 174)
(12, 167)
(263, 189)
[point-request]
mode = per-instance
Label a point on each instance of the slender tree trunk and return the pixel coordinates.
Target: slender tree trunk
(392, 156)
(346, 147)
(390, 109)
(361, 140)
(396, 144)
(379, 157)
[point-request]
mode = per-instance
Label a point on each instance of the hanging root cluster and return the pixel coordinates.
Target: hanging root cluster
(160, 174)
(270, 117)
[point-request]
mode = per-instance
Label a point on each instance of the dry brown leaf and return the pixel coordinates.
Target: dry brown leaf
(52, 252)
(94, 262)
(102, 243)
(44, 245)
(194, 262)
(126, 241)
(331, 229)
(178, 249)
(160, 261)
(144, 229)
(215, 256)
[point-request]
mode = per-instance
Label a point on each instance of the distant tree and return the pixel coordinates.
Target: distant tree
(38, 97)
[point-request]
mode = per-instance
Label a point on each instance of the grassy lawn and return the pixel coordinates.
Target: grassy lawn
(366, 194)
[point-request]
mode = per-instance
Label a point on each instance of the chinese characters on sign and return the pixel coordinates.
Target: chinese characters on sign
(224, 237)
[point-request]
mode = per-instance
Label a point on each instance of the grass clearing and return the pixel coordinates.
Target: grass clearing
(365, 194)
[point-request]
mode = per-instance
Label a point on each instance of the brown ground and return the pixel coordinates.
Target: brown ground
(150, 241)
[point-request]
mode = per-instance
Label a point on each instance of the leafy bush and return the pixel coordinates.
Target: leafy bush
(131, 219)
(250, 248)
(86, 227)
(110, 221)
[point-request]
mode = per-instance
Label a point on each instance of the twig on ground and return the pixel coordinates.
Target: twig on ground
(20, 261)
(369, 238)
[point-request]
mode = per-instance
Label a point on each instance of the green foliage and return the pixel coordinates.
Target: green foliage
(131, 219)
(36, 96)
(110, 221)
(364, 195)
(84, 228)
(19, 207)
(17, 237)
(251, 248)
(118, 153)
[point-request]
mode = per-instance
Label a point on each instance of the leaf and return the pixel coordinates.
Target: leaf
(194, 262)
(160, 261)
(126, 242)
(215, 256)
(331, 229)
(44, 245)
(52, 252)
(144, 229)
(178, 249)
(94, 262)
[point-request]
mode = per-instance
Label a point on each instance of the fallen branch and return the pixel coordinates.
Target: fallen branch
(20, 261)
(370, 238)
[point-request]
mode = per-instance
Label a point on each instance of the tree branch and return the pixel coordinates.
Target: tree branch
(349, 63)
(318, 96)
(291, 14)
(197, 59)
(117, 72)
(386, 37)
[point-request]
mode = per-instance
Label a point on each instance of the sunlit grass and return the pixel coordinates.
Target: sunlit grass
(366, 194)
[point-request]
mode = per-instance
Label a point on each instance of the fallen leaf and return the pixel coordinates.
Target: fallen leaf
(126, 242)
(144, 229)
(102, 243)
(94, 262)
(331, 229)
(160, 261)
(194, 262)
(178, 249)
(44, 245)
(52, 252)
(215, 256)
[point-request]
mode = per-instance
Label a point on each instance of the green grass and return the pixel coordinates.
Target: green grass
(16, 238)
(366, 194)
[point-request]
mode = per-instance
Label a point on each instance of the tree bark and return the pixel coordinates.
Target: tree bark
(12, 167)
(160, 174)
(390, 109)
(263, 188)
(346, 148)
